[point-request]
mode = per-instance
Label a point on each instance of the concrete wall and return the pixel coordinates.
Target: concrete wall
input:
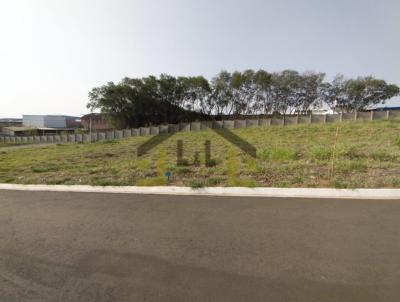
(291, 120)
(277, 121)
(201, 126)
(196, 126)
(228, 124)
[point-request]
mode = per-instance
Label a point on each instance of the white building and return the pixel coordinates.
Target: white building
(50, 121)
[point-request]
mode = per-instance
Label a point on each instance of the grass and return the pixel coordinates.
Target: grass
(367, 155)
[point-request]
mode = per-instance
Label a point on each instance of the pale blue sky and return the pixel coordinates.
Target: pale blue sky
(52, 52)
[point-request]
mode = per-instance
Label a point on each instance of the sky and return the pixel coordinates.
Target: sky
(53, 52)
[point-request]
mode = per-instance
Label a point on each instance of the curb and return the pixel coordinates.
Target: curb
(217, 191)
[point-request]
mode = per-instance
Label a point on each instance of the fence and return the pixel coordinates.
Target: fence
(198, 126)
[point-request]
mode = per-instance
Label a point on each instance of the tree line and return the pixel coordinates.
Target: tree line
(135, 102)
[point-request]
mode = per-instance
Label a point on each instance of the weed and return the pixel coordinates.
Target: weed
(232, 168)
(396, 141)
(321, 153)
(340, 184)
(245, 182)
(144, 165)
(251, 164)
(153, 181)
(182, 170)
(211, 162)
(382, 156)
(279, 154)
(43, 169)
(196, 184)
(351, 166)
(352, 152)
(214, 181)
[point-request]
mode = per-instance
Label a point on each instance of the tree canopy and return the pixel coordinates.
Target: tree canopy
(150, 100)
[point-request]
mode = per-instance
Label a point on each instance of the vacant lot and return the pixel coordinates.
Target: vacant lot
(346, 155)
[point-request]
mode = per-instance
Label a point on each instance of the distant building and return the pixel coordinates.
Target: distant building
(383, 108)
(19, 131)
(41, 125)
(96, 121)
(10, 122)
(51, 121)
(323, 111)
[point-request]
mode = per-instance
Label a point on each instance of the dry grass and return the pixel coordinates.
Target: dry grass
(367, 155)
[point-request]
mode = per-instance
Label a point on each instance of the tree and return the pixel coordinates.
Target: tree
(348, 95)
(263, 96)
(167, 99)
(222, 96)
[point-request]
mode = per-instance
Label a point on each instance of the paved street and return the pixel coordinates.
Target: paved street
(121, 247)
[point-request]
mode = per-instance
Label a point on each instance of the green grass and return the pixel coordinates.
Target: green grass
(367, 155)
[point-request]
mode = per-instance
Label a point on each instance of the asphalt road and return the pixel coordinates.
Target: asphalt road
(116, 247)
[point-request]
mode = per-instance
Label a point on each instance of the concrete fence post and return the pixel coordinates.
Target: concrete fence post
(387, 114)
(325, 116)
(372, 115)
(355, 115)
(341, 117)
(297, 119)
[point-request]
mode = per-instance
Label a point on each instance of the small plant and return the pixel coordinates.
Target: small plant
(396, 141)
(211, 162)
(182, 170)
(382, 156)
(340, 184)
(352, 152)
(183, 162)
(143, 165)
(245, 182)
(298, 179)
(251, 164)
(214, 181)
(153, 181)
(196, 184)
(321, 153)
(233, 168)
(351, 166)
(279, 154)
(43, 169)
(396, 182)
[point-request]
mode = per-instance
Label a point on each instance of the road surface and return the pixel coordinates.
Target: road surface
(123, 247)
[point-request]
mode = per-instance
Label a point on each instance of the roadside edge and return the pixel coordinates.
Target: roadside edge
(217, 191)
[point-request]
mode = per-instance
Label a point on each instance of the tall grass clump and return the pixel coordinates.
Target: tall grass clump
(321, 153)
(279, 154)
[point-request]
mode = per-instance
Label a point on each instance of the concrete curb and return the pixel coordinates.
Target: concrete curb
(218, 191)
